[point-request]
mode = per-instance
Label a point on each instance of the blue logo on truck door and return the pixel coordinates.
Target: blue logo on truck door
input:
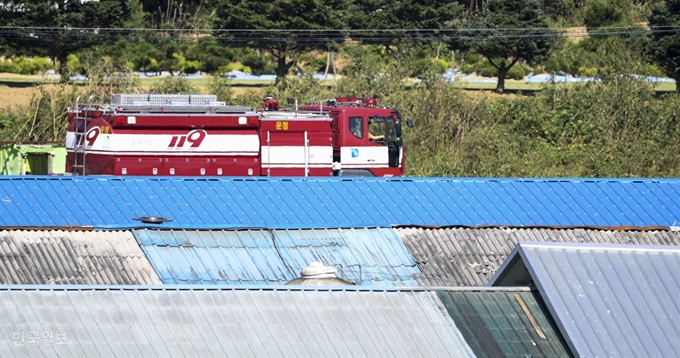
(355, 152)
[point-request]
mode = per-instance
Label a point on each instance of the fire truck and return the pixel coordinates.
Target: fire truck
(196, 135)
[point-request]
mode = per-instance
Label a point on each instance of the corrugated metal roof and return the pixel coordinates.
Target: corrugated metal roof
(73, 257)
(469, 257)
(170, 322)
(113, 202)
(505, 324)
(365, 256)
(608, 300)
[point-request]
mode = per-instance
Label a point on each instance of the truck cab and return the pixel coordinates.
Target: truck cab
(367, 140)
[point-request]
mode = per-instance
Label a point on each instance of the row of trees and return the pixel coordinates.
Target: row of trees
(563, 131)
(505, 32)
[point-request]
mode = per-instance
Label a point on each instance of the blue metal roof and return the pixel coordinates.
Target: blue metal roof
(113, 202)
(363, 256)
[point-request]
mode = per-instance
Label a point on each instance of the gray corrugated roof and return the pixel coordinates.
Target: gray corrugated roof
(469, 257)
(608, 300)
(254, 322)
(73, 257)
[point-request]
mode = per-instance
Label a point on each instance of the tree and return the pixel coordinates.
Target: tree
(278, 26)
(179, 14)
(210, 53)
(57, 28)
(506, 32)
(665, 45)
(603, 13)
(420, 19)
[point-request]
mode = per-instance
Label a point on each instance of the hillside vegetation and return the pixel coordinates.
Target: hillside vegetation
(616, 125)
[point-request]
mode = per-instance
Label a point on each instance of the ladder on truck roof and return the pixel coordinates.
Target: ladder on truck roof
(173, 103)
(80, 122)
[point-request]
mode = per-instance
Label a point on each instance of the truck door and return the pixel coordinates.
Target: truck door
(393, 142)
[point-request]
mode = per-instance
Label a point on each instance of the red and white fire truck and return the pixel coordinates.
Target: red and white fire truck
(195, 135)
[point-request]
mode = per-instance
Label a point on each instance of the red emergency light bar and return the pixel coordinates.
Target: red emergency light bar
(353, 101)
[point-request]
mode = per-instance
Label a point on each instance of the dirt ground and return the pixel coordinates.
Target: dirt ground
(13, 96)
(17, 95)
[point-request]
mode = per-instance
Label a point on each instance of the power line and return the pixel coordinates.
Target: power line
(314, 36)
(562, 29)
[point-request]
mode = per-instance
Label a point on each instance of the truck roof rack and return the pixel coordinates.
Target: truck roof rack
(172, 103)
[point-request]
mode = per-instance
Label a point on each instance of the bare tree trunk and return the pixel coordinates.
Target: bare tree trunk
(328, 64)
(282, 67)
(62, 59)
(335, 73)
(502, 70)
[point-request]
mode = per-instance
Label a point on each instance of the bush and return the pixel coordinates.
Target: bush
(259, 65)
(587, 71)
(25, 66)
(425, 67)
(73, 65)
(235, 67)
(7, 67)
(468, 68)
(185, 66)
(472, 58)
(220, 87)
(173, 85)
(486, 69)
(517, 72)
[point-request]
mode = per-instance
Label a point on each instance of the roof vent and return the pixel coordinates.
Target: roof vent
(318, 274)
(152, 219)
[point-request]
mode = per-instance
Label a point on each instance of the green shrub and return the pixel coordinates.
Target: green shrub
(258, 65)
(467, 68)
(472, 58)
(587, 71)
(26, 66)
(485, 69)
(220, 87)
(73, 65)
(7, 67)
(517, 72)
(172, 85)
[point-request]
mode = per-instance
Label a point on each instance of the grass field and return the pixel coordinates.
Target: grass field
(16, 90)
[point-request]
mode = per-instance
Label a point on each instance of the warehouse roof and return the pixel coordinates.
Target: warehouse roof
(470, 257)
(181, 321)
(363, 256)
(607, 299)
(73, 257)
(213, 202)
(504, 323)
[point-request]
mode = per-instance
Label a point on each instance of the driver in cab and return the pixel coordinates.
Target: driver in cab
(374, 137)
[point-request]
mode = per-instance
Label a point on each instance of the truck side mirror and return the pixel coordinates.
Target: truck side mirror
(409, 123)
